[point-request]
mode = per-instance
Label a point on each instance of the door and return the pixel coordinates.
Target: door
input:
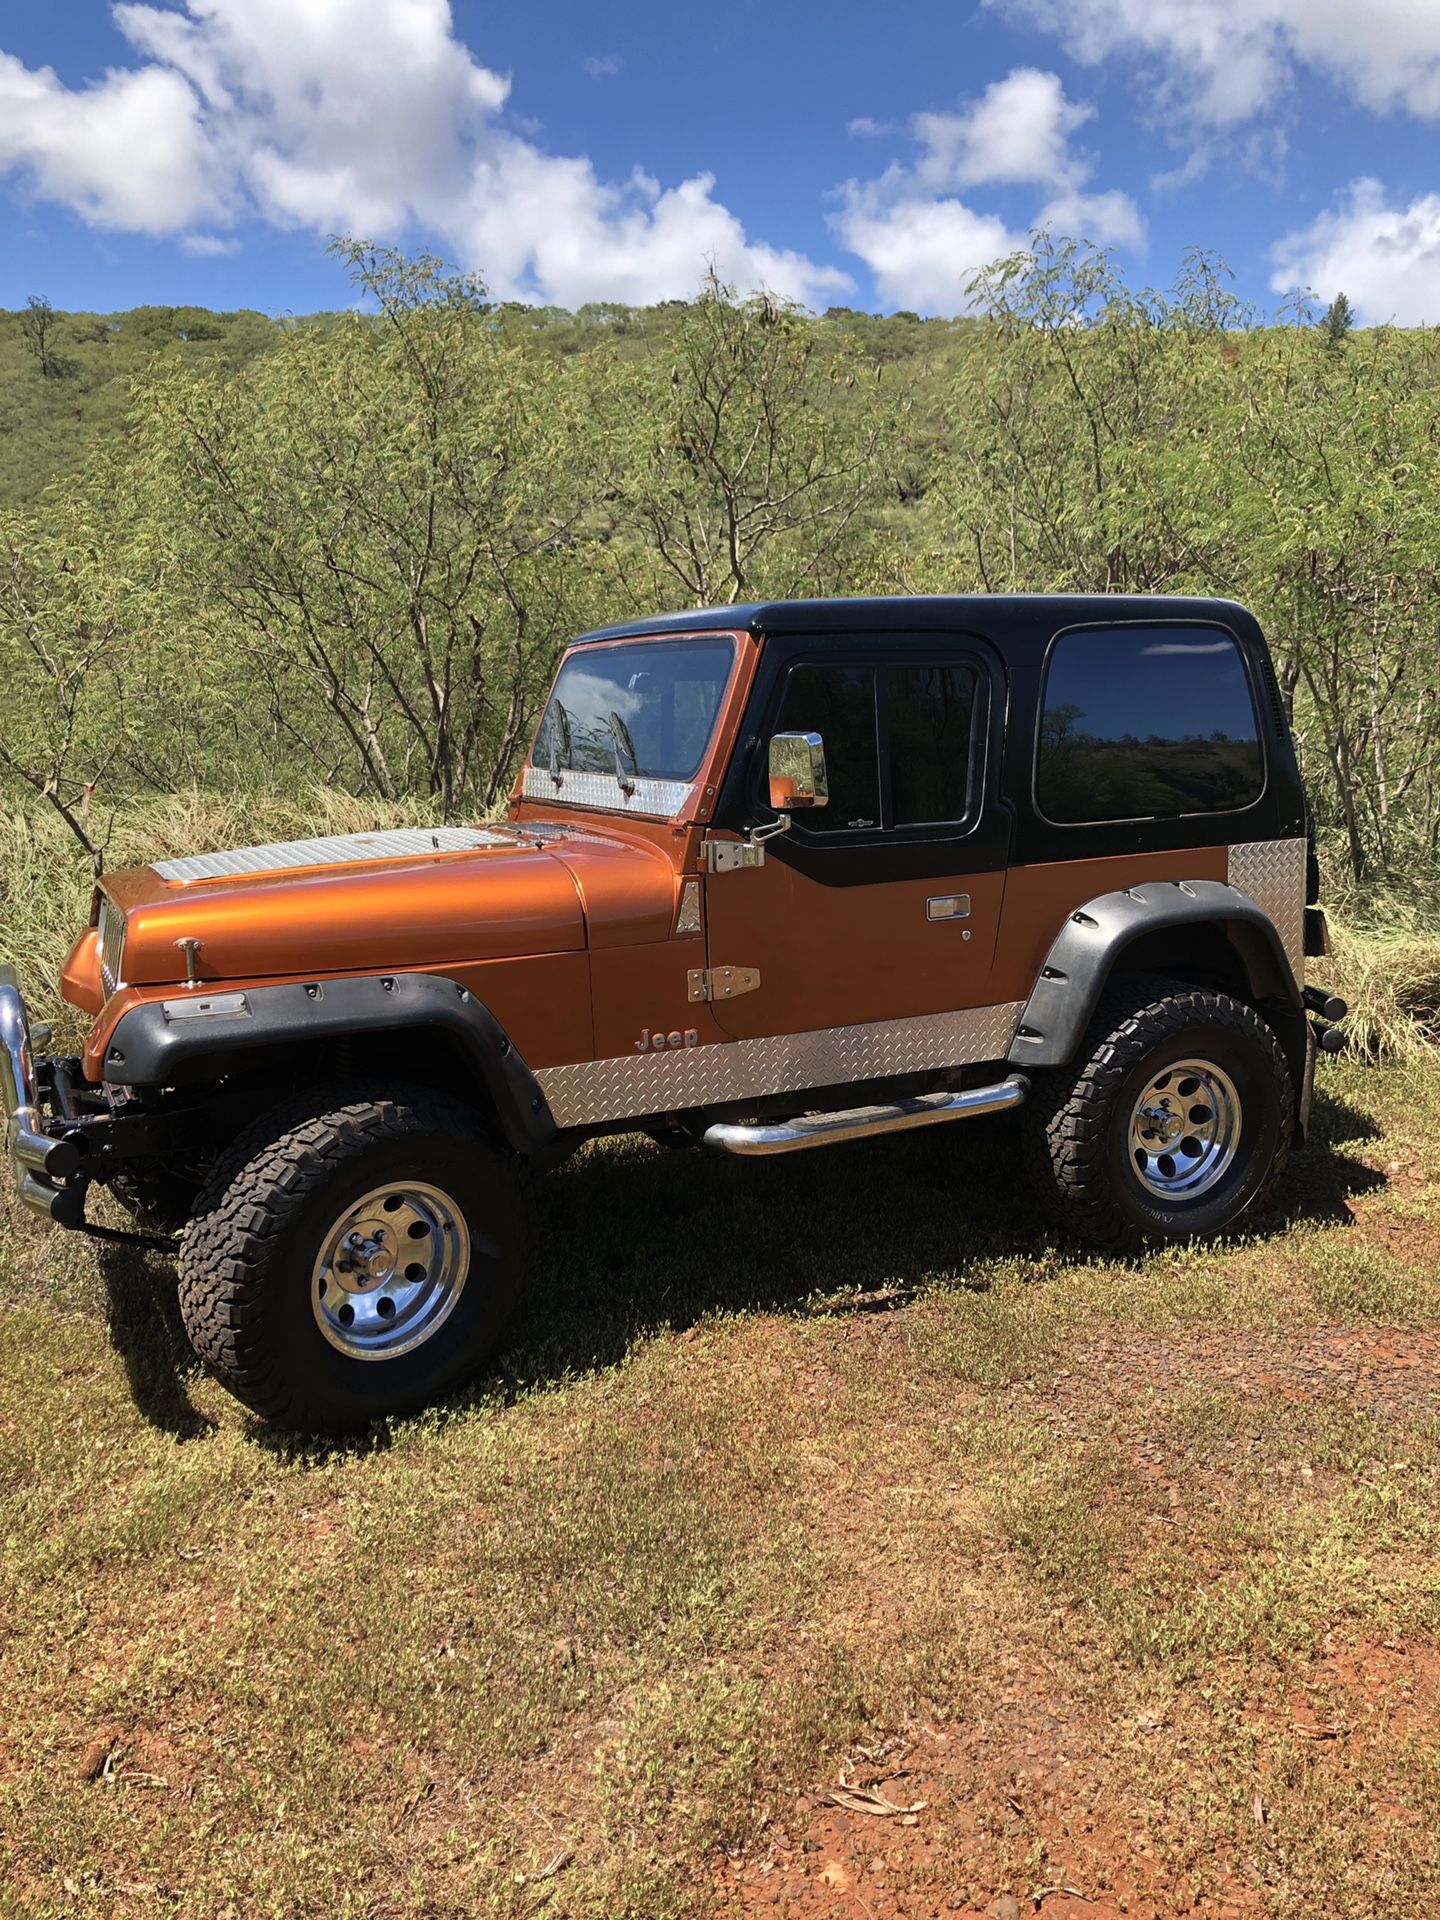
(882, 905)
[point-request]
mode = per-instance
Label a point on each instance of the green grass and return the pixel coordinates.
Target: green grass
(705, 1529)
(785, 1461)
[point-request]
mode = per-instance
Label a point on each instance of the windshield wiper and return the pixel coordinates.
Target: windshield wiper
(557, 712)
(620, 738)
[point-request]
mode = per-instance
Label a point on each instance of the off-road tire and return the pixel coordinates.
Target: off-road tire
(259, 1221)
(1076, 1124)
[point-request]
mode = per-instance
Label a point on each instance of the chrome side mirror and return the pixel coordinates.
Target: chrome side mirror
(797, 772)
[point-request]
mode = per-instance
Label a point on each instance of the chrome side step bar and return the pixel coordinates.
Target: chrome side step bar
(862, 1123)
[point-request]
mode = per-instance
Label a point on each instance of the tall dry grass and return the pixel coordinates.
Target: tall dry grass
(1387, 968)
(46, 877)
(1390, 977)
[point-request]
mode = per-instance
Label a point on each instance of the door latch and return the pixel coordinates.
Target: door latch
(721, 983)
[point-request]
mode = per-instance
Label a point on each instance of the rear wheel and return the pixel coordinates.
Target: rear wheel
(351, 1258)
(1176, 1125)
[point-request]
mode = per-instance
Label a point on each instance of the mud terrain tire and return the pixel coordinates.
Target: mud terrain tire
(253, 1258)
(1099, 1141)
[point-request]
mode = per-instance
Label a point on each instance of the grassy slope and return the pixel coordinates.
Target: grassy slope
(631, 1604)
(48, 426)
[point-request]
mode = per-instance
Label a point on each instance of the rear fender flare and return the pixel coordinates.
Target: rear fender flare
(198, 1035)
(1093, 942)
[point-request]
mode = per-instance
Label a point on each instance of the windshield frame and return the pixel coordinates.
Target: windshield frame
(644, 795)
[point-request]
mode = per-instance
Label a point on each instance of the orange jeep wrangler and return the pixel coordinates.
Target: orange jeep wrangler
(772, 877)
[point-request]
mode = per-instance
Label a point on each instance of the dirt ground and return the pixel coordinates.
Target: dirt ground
(1020, 1808)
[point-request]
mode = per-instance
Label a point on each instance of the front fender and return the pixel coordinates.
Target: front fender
(201, 1034)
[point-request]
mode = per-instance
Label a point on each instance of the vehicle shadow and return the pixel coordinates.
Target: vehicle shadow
(142, 1313)
(633, 1241)
(630, 1239)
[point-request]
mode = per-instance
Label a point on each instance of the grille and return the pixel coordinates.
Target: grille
(112, 944)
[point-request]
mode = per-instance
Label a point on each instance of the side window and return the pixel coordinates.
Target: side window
(1146, 723)
(930, 710)
(897, 742)
(838, 703)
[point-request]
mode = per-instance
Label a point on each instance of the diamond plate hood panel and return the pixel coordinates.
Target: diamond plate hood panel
(334, 850)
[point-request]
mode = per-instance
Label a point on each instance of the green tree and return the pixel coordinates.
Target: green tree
(753, 454)
(1337, 320)
(37, 325)
(386, 516)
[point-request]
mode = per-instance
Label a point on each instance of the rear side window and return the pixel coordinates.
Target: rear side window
(897, 742)
(1146, 723)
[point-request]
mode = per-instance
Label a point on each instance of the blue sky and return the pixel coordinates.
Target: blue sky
(872, 156)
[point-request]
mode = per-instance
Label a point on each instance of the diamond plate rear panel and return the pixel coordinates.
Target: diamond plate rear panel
(628, 1088)
(334, 850)
(1272, 872)
(662, 797)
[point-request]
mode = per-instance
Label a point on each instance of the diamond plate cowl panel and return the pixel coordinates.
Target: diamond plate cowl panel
(603, 790)
(723, 1071)
(1272, 872)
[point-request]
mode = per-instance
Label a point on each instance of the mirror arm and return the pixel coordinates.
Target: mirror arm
(771, 830)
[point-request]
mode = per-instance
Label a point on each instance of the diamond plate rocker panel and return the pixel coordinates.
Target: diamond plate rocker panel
(1272, 872)
(728, 1070)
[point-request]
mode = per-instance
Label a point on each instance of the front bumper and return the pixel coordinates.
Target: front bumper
(42, 1165)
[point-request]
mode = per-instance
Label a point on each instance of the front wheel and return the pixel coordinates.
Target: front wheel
(354, 1257)
(1176, 1125)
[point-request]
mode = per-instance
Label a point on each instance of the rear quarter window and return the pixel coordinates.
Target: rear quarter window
(1146, 723)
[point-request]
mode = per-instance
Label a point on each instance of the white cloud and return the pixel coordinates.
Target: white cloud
(1106, 219)
(1227, 61)
(209, 246)
(366, 117)
(129, 152)
(922, 252)
(1016, 133)
(1385, 259)
(924, 244)
(602, 66)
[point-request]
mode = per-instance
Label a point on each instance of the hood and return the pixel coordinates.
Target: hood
(349, 903)
(363, 903)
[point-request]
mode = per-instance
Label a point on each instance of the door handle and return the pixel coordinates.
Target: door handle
(948, 906)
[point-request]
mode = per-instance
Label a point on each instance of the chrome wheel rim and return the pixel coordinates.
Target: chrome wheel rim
(1184, 1130)
(390, 1271)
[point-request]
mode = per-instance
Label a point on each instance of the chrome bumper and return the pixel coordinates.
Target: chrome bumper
(39, 1162)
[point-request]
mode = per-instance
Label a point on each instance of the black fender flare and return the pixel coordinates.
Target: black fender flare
(198, 1034)
(1094, 938)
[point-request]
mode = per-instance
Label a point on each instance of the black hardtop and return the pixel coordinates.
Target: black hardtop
(1019, 625)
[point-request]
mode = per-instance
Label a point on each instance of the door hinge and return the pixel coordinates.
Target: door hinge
(727, 856)
(721, 983)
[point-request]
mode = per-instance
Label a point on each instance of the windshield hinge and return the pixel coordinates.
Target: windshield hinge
(727, 856)
(722, 983)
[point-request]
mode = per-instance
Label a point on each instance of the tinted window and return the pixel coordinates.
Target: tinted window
(838, 703)
(897, 742)
(929, 711)
(1146, 723)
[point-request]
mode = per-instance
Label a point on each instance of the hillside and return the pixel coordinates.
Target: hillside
(50, 421)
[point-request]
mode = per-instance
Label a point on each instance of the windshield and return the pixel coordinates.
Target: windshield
(641, 714)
